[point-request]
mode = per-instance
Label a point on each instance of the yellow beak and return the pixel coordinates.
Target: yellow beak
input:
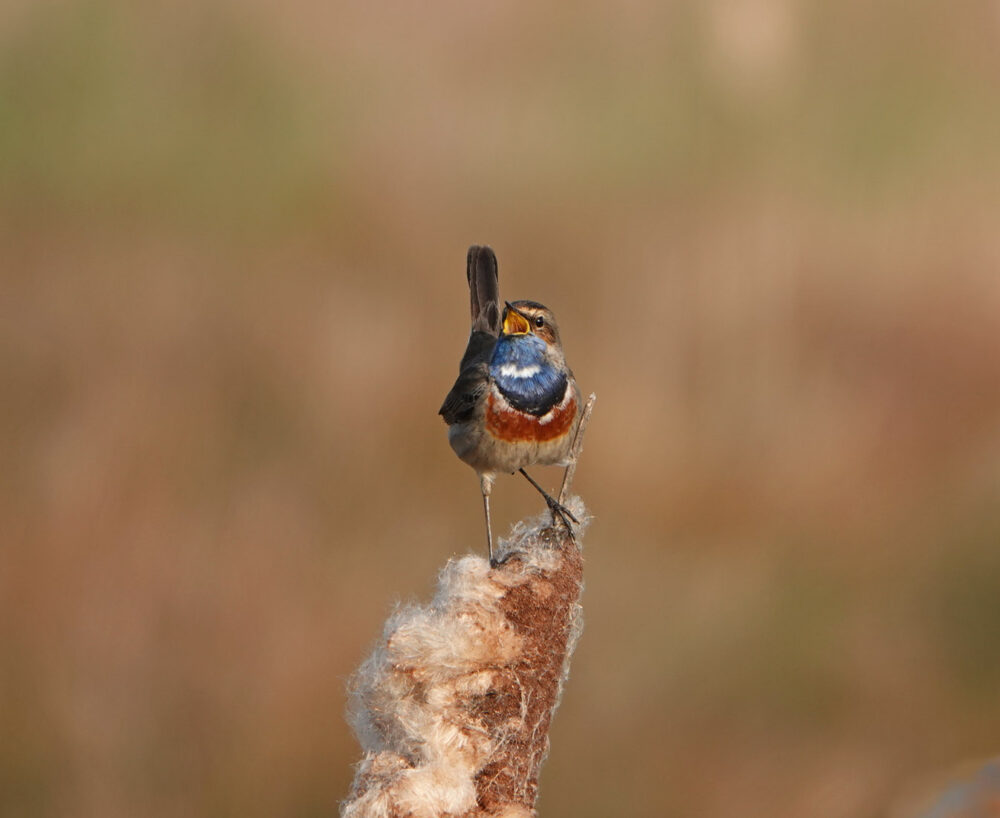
(515, 324)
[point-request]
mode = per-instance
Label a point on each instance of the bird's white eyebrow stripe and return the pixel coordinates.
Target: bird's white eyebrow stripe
(515, 371)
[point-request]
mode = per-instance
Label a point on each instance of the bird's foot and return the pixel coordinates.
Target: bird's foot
(560, 512)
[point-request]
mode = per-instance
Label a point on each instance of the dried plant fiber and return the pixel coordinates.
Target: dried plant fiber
(453, 707)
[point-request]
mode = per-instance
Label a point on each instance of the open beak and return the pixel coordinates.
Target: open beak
(514, 322)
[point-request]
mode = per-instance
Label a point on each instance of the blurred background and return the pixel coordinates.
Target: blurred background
(232, 243)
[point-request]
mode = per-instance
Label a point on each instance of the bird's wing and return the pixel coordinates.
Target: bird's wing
(473, 379)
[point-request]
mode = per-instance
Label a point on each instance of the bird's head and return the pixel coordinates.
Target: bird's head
(531, 318)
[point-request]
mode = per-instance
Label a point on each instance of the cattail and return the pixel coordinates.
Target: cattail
(453, 707)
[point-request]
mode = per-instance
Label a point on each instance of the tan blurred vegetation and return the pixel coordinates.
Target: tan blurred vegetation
(233, 240)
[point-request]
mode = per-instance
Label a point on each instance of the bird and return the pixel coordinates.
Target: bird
(515, 403)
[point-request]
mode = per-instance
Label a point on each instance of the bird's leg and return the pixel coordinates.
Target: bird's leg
(557, 508)
(576, 447)
(486, 485)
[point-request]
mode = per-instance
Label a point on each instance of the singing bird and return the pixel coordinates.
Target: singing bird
(515, 403)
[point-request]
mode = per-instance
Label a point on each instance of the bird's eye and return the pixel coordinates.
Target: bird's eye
(539, 321)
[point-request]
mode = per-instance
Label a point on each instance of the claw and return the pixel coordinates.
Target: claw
(557, 508)
(560, 511)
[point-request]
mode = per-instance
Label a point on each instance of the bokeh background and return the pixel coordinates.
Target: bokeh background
(232, 241)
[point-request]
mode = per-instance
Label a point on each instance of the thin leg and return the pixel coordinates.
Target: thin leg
(489, 529)
(557, 508)
(486, 485)
(576, 447)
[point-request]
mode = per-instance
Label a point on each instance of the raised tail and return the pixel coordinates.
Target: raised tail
(484, 290)
(484, 295)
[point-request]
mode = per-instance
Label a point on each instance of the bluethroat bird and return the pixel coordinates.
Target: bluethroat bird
(515, 403)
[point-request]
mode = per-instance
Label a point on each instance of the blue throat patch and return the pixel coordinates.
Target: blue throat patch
(524, 377)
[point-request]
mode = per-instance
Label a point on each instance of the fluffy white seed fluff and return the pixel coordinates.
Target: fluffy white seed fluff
(420, 702)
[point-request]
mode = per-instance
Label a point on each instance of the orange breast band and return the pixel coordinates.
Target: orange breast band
(514, 426)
